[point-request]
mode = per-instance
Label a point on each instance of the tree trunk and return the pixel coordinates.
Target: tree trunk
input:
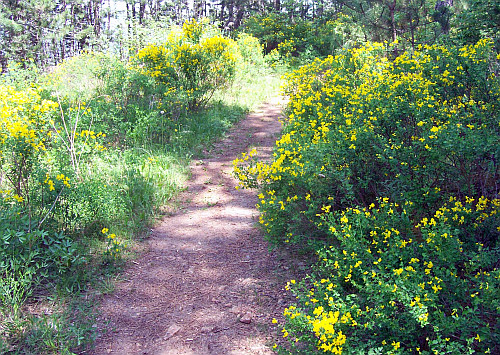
(142, 10)
(392, 10)
(221, 14)
(3, 62)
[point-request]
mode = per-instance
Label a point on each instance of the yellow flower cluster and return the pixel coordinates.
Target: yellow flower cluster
(10, 196)
(23, 118)
(59, 177)
(114, 247)
(193, 29)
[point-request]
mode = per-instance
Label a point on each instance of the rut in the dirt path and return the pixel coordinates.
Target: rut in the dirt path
(207, 284)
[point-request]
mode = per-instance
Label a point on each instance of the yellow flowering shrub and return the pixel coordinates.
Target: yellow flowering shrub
(24, 133)
(31, 191)
(41, 149)
(389, 286)
(370, 148)
(359, 126)
(190, 64)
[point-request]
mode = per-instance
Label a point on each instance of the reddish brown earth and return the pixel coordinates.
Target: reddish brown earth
(207, 283)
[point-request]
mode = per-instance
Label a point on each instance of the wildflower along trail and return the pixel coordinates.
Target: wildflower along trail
(207, 283)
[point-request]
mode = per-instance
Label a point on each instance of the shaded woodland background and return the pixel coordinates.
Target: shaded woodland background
(50, 31)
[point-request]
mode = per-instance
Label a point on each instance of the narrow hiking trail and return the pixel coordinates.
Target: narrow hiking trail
(207, 283)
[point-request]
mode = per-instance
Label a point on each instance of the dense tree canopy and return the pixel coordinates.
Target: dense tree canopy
(50, 31)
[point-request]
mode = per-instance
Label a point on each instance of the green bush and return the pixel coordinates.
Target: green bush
(250, 49)
(75, 79)
(30, 260)
(115, 95)
(480, 20)
(297, 41)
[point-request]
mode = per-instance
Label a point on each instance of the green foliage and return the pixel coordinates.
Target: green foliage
(370, 149)
(75, 78)
(481, 19)
(65, 331)
(31, 260)
(250, 49)
(410, 23)
(20, 75)
(301, 40)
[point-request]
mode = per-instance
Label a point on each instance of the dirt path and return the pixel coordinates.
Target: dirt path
(207, 284)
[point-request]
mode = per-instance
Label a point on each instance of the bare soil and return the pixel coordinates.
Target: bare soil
(207, 282)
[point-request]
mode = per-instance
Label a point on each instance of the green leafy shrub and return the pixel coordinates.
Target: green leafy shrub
(75, 79)
(480, 20)
(297, 41)
(111, 85)
(250, 49)
(273, 28)
(31, 259)
(126, 95)
(20, 75)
